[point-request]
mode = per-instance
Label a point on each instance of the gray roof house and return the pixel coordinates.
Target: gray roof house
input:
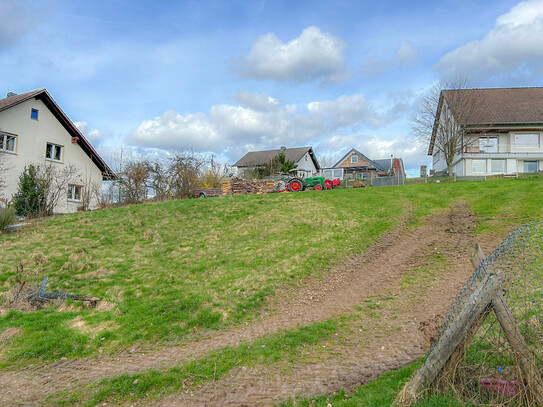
(354, 164)
(501, 135)
(303, 157)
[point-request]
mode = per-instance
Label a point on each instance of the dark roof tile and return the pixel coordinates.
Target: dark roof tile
(499, 105)
(254, 158)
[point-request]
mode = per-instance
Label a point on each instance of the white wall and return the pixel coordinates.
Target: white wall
(438, 161)
(32, 138)
(306, 163)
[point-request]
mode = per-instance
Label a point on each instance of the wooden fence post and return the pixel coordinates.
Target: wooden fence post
(450, 339)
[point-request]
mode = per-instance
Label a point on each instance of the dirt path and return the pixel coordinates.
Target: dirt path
(379, 268)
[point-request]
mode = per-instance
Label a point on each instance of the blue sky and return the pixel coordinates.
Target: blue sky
(226, 77)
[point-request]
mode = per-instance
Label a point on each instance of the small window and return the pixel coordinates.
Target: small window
(527, 140)
(74, 192)
(478, 166)
(7, 142)
(53, 152)
(354, 159)
(34, 114)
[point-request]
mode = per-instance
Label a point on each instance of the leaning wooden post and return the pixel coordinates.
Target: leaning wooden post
(524, 357)
(450, 339)
(459, 353)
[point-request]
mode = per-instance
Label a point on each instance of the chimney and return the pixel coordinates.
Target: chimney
(10, 94)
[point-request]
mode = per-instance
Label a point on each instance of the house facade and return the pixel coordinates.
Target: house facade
(354, 164)
(502, 135)
(304, 158)
(34, 130)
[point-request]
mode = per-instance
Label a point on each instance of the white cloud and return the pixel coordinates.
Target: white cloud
(94, 136)
(261, 123)
(512, 52)
(257, 101)
(175, 131)
(405, 55)
(314, 55)
(346, 111)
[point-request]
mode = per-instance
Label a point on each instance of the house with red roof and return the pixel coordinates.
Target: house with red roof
(35, 130)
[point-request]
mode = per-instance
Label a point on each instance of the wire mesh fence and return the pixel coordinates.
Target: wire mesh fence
(490, 347)
(388, 181)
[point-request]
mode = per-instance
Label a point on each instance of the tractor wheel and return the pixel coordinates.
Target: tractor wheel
(202, 195)
(318, 187)
(295, 185)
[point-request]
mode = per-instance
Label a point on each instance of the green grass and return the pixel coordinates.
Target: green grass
(171, 271)
(288, 346)
(379, 393)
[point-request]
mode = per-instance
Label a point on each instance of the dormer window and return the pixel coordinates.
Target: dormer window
(53, 152)
(34, 114)
(354, 159)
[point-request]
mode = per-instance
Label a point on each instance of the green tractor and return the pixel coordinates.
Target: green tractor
(317, 183)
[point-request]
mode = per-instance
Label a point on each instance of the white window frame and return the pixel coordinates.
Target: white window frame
(487, 139)
(4, 142)
(54, 148)
(525, 144)
(501, 160)
(478, 172)
(72, 193)
(354, 159)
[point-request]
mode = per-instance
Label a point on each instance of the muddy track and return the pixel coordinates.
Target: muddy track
(380, 268)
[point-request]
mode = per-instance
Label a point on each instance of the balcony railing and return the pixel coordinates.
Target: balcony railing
(503, 148)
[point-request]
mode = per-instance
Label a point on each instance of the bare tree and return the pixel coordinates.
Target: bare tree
(134, 185)
(327, 161)
(55, 181)
(2, 172)
(158, 180)
(213, 173)
(91, 192)
(444, 114)
(184, 173)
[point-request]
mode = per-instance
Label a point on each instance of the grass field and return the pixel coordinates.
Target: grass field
(172, 271)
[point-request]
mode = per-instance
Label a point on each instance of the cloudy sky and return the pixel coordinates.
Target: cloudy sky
(226, 77)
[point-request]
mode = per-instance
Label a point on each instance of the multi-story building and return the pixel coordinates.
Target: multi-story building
(501, 129)
(35, 130)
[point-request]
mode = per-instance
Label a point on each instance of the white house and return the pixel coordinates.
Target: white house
(502, 133)
(35, 130)
(304, 158)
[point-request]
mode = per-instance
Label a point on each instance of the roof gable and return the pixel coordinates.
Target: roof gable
(355, 151)
(48, 101)
(256, 158)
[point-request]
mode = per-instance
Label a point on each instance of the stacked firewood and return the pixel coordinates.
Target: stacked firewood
(238, 186)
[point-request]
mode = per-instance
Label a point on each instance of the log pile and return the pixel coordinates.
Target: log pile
(238, 186)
